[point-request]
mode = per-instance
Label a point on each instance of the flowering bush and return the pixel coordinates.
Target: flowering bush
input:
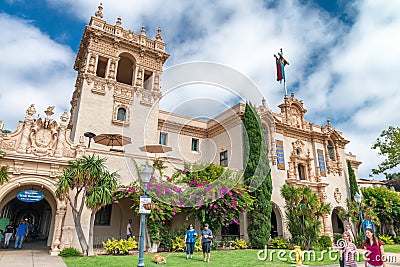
(117, 247)
(212, 193)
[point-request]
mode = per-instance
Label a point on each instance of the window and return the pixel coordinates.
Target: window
(148, 81)
(103, 216)
(331, 152)
(163, 139)
(223, 158)
(300, 170)
(195, 144)
(121, 114)
(101, 67)
(125, 69)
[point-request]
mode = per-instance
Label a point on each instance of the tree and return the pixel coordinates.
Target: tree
(385, 204)
(89, 182)
(393, 180)
(101, 195)
(389, 145)
(257, 176)
(304, 212)
(352, 181)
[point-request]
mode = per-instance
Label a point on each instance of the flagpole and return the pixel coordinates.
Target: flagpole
(284, 86)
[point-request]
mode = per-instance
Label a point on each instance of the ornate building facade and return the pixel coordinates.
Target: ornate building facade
(117, 90)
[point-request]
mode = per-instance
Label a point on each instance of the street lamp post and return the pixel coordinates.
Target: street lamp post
(358, 198)
(145, 176)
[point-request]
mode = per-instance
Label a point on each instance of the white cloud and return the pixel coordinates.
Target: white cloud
(346, 74)
(33, 69)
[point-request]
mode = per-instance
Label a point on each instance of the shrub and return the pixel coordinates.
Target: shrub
(278, 242)
(167, 237)
(178, 244)
(359, 240)
(324, 242)
(70, 252)
(396, 239)
(215, 245)
(117, 247)
(239, 244)
(336, 237)
(387, 240)
(197, 245)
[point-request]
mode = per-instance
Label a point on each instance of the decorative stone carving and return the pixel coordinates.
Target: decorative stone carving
(60, 214)
(337, 195)
(158, 35)
(99, 86)
(30, 112)
(118, 22)
(111, 71)
(139, 77)
(156, 86)
(295, 119)
(99, 12)
(44, 135)
(61, 135)
(92, 63)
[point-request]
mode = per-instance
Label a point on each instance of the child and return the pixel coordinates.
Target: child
(349, 251)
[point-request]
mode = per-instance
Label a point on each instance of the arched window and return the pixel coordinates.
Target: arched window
(331, 151)
(125, 69)
(121, 114)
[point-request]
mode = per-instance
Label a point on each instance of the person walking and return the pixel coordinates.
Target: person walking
(349, 251)
(22, 232)
(190, 240)
(375, 252)
(129, 229)
(9, 232)
(205, 238)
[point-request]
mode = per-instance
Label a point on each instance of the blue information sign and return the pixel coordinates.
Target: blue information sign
(367, 224)
(30, 196)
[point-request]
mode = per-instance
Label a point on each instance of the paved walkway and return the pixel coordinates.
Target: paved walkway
(32, 254)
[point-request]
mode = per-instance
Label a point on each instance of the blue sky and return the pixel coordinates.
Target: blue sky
(344, 55)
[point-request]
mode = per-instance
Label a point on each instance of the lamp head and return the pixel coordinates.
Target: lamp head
(145, 174)
(358, 197)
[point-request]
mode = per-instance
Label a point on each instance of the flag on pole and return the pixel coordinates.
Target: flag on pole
(280, 62)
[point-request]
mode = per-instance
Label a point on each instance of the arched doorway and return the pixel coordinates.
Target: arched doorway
(276, 222)
(337, 223)
(37, 215)
(40, 215)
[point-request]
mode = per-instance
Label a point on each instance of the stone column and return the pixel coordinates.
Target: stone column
(60, 214)
(327, 227)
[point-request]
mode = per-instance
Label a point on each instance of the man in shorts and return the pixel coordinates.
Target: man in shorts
(205, 238)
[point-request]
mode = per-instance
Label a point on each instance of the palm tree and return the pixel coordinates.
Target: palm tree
(88, 180)
(303, 212)
(101, 195)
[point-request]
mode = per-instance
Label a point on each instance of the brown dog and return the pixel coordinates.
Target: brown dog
(159, 260)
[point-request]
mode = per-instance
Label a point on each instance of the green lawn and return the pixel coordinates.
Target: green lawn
(392, 248)
(228, 258)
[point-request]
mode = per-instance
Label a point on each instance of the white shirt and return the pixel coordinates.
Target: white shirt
(128, 227)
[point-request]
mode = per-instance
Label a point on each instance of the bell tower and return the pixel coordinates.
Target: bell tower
(118, 84)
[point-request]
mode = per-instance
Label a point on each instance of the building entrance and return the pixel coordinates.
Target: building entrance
(34, 205)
